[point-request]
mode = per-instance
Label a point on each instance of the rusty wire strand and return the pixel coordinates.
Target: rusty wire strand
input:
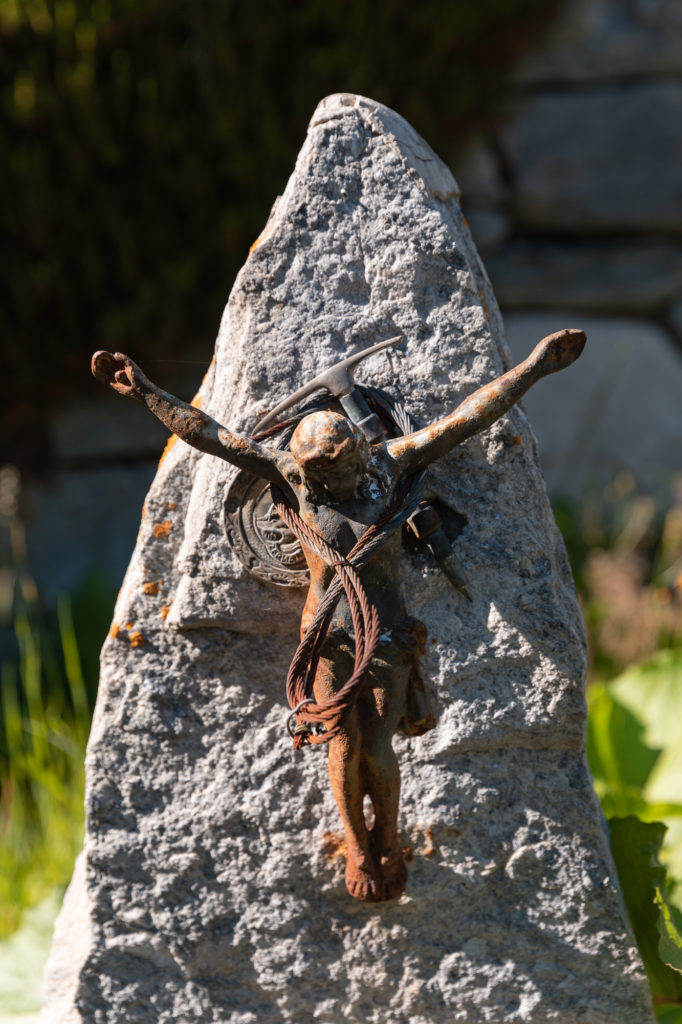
(329, 714)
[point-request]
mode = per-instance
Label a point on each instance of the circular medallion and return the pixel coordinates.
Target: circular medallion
(258, 537)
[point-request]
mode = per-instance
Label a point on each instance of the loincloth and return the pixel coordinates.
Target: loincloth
(402, 645)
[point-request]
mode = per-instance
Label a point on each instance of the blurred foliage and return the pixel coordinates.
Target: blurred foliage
(625, 549)
(45, 719)
(635, 848)
(626, 553)
(144, 142)
(22, 961)
(633, 747)
(45, 710)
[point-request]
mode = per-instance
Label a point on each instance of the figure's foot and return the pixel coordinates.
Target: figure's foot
(393, 873)
(392, 867)
(363, 880)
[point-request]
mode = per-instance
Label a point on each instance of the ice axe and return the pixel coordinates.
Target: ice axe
(425, 523)
(338, 380)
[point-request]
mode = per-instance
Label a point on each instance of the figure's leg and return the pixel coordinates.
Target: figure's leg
(363, 878)
(379, 719)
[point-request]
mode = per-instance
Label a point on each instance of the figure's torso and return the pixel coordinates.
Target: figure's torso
(341, 524)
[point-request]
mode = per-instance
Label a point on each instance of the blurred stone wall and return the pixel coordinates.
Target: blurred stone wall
(575, 203)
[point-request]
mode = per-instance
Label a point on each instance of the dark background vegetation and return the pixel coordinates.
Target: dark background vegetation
(144, 141)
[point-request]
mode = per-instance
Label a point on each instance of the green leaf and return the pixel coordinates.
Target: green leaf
(668, 1014)
(670, 942)
(652, 692)
(635, 845)
(664, 785)
(617, 752)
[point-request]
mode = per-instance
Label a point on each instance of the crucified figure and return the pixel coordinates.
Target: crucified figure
(341, 485)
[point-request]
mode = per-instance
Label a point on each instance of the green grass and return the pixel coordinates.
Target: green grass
(45, 719)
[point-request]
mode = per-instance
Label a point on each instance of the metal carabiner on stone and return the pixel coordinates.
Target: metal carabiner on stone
(294, 728)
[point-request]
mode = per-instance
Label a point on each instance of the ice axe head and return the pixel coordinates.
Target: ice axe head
(338, 380)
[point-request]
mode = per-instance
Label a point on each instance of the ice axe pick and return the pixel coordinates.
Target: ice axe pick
(338, 380)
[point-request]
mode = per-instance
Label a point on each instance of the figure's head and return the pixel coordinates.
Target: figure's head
(330, 452)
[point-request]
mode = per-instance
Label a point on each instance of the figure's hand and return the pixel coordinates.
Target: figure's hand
(120, 373)
(558, 350)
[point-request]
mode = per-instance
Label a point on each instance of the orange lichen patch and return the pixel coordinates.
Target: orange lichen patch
(333, 845)
(408, 853)
(135, 639)
(165, 611)
(162, 529)
(129, 625)
(169, 444)
(171, 505)
(115, 631)
(254, 245)
(430, 846)
(151, 588)
(144, 513)
(484, 304)
(516, 439)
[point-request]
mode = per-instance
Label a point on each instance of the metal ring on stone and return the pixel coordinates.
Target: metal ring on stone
(292, 715)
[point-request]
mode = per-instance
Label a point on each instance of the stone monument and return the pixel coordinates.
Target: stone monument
(210, 887)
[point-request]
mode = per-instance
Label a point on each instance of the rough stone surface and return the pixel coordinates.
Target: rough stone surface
(620, 410)
(599, 159)
(212, 869)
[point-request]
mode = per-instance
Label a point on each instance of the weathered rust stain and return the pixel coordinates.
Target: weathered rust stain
(334, 845)
(195, 403)
(162, 529)
(151, 588)
(444, 197)
(484, 304)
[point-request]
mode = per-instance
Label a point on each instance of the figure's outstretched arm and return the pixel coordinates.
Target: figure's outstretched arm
(191, 424)
(478, 411)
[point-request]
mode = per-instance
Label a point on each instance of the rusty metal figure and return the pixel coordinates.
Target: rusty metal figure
(341, 483)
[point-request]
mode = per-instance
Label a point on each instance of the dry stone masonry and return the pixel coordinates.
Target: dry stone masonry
(575, 202)
(210, 888)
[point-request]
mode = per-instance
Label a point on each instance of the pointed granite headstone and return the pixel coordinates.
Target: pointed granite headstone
(211, 884)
